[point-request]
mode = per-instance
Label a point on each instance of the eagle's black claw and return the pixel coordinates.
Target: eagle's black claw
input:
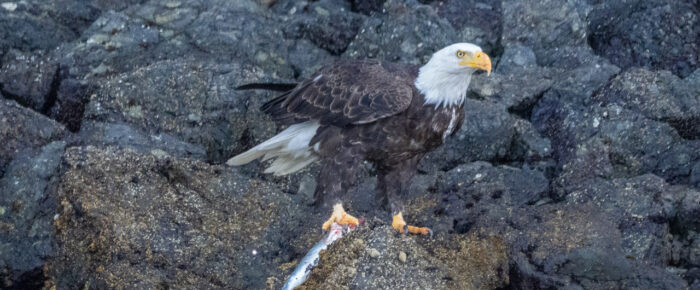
(405, 230)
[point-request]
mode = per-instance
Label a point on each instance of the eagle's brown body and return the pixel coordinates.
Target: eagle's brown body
(366, 111)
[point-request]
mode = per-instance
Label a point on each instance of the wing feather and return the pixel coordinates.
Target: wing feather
(347, 92)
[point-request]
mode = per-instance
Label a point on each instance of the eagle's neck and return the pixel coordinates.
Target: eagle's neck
(440, 87)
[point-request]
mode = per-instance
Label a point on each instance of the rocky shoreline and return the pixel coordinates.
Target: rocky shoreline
(577, 167)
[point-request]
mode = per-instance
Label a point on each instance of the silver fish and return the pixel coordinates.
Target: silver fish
(309, 261)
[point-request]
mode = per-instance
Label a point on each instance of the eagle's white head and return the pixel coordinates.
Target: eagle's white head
(445, 78)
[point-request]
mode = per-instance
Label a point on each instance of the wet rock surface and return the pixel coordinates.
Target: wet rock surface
(577, 166)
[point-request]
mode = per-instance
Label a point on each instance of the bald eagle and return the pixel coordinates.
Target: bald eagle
(351, 111)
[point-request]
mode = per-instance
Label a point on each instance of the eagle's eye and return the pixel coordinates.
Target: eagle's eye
(460, 54)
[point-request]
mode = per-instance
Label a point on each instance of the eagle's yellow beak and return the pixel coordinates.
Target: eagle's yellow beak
(478, 61)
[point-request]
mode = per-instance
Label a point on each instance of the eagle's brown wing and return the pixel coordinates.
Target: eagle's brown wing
(346, 92)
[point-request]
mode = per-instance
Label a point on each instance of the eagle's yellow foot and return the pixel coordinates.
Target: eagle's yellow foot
(400, 225)
(339, 216)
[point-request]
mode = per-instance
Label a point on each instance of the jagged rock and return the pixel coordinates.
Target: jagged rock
(114, 43)
(27, 208)
(659, 96)
(28, 29)
(610, 141)
(478, 22)
(190, 100)
(695, 175)
(29, 78)
(486, 134)
(69, 106)
(329, 28)
(653, 34)
(367, 6)
(465, 186)
(232, 34)
(459, 262)
(545, 25)
(516, 58)
(132, 220)
(408, 32)
(306, 58)
(518, 91)
(22, 129)
(125, 136)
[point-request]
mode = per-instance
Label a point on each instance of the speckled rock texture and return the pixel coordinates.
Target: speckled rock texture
(577, 166)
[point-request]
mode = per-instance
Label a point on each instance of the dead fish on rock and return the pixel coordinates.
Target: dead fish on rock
(302, 271)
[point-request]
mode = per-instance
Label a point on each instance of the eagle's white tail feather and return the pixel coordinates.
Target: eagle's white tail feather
(291, 147)
(287, 164)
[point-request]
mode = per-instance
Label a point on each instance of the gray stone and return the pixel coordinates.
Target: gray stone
(659, 96)
(160, 99)
(544, 25)
(29, 78)
(408, 32)
(516, 58)
(28, 211)
(69, 106)
(695, 175)
(29, 29)
(486, 134)
(476, 21)
(653, 34)
(22, 129)
(459, 262)
(330, 31)
(125, 136)
(171, 221)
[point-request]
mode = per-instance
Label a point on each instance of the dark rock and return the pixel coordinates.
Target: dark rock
(328, 28)
(518, 91)
(233, 34)
(544, 25)
(21, 129)
(75, 15)
(693, 275)
(486, 134)
(579, 74)
(695, 175)
(478, 22)
(527, 144)
(466, 186)
(694, 252)
(689, 210)
(459, 262)
(114, 43)
(659, 96)
(408, 32)
(28, 29)
(571, 57)
(28, 204)
(642, 206)
(191, 100)
(367, 6)
(610, 141)
(69, 106)
(516, 58)
(123, 135)
(578, 246)
(29, 78)
(653, 34)
(132, 220)
(306, 58)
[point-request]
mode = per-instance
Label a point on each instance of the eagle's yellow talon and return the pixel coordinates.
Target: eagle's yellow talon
(341, 217)
(400, 225)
